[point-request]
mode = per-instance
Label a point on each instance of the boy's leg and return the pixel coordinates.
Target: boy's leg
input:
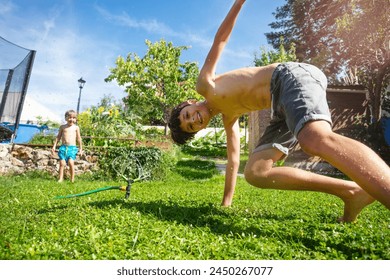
(61, 171)
(260, 172)
(354, 159)
(71, 169)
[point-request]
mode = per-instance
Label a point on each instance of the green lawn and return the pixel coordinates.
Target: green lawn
(181, 218)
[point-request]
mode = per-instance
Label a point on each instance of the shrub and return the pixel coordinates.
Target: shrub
(43, 138)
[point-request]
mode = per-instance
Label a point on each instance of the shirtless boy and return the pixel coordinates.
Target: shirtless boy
(69, 133)
(296, 94)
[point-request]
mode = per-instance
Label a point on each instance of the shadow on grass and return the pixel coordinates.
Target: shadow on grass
(196, 169)
(219, 220)
(51, 209)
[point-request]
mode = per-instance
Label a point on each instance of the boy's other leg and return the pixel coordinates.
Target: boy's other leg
(260, 172)
(71, 169)
(61, 171)
(354, 159)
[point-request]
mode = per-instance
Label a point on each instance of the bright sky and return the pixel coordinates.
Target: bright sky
(80, 38)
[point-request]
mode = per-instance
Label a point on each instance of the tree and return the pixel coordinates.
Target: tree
(310, 25)
(156, 82)
(270, 56)
(340, 35)
(364, 35)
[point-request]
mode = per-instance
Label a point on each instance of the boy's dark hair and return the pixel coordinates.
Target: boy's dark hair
(177, 134)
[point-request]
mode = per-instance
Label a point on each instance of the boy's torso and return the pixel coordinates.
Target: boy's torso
(69, 135)
(241, 91)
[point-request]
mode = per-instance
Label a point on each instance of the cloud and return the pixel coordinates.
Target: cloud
(187, 37)
(151, 25)
(63, 56)
(6, 7)
(196, 39)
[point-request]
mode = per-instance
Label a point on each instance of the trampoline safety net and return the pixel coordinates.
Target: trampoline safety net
(15, 69)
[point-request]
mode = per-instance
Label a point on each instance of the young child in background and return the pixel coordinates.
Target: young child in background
(69, 134)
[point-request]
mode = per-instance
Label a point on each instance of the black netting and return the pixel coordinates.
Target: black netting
(15, 69)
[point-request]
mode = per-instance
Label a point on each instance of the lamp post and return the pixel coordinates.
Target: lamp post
(81, 85)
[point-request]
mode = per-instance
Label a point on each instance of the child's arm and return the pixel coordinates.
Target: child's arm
(205, 83)
(59, 135)
(78, 137)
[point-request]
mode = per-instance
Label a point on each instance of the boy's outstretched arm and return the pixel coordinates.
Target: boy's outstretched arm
(205, 83)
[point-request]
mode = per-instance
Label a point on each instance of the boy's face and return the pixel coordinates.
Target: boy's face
(71, 119)
(193, 118)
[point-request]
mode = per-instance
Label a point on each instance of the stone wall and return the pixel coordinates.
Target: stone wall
(17, 159)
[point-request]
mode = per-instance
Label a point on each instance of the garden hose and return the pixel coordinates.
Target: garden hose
(121, 188)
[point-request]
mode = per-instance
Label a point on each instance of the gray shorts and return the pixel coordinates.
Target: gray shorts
(298, 93)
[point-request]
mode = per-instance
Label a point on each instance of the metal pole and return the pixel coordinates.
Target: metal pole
(5, 94)
(78, 103)
(81, 85)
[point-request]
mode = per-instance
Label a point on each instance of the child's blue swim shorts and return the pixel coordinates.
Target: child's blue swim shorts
(67, 152)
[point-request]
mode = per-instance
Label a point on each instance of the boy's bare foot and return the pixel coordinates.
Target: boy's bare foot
(354, 205)
(60, 180)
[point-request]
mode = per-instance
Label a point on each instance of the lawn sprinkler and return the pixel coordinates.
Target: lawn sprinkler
(122, 167)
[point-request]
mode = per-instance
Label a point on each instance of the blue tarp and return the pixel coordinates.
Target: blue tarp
(25, 132)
